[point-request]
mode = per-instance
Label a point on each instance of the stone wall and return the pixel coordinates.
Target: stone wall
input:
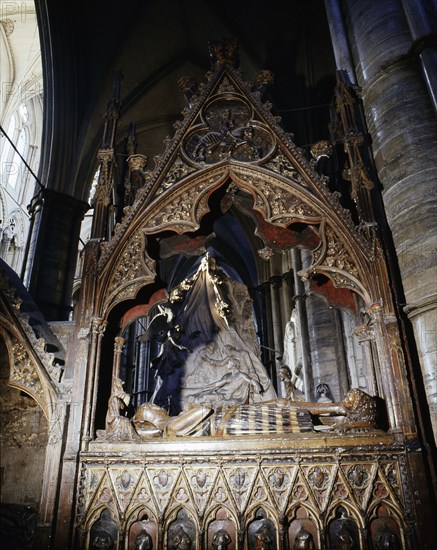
(23, 441)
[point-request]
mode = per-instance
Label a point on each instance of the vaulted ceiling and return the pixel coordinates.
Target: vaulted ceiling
(155, 42)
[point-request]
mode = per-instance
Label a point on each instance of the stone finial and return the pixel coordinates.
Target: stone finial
(264, 78)
(188, 86)
(223, 52)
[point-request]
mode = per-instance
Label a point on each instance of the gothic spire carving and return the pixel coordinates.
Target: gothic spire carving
(106, 157)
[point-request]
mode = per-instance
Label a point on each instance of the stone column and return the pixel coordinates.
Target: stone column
(342, 368)
(53, 252)
(98, 327)
(52, 465)
(300, 297)
(268, 350)
(340, 45)
(365, 337)
(424, 45)
(118, 350)
(424, 322)
(287, 293)
(278, 329)
(403, 125)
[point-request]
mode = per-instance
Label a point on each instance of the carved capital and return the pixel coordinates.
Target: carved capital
(375, 312)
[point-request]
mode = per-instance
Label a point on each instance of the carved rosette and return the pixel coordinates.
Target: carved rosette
(133, 269)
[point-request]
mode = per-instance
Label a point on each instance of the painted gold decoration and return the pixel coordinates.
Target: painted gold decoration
(24, 373)
(178, 171)
(281, 165)
(134, 263)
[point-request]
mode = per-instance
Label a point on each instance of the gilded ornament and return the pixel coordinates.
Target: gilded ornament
(177, 172)
(281, 165)
(134, 263)
(24, 372)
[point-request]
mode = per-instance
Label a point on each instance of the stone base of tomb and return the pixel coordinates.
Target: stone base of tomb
(320, 486)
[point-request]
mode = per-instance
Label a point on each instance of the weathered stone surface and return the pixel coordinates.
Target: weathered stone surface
(23, 441)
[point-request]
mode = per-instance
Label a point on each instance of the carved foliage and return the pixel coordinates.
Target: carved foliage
(177, 172)
(334, 258)
(279, 203)
(133, 264)
(182, 212)
(24, 373)
(281, 165)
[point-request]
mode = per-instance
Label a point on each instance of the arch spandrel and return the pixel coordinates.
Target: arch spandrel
(342, 255)
(229, 134)
(132, 269)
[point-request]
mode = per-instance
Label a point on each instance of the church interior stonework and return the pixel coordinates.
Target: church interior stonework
(223, 332)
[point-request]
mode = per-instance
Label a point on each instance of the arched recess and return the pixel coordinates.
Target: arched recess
(25, 433)
(342, 254)
(222, 209)
(34, 372)
(286, 206)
